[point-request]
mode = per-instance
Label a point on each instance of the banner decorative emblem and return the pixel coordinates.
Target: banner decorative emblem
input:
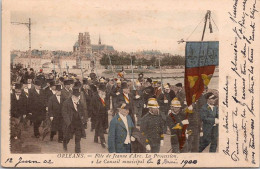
(201, 60)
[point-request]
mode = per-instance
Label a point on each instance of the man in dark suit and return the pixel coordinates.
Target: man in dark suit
(115, 91)
(18, 103)
(138, 102)
(73, 118)
(66, 91)
(100, 107)
(164, 101)
(54, 108)
(209, 117)
(37, 107)
(120, 131)
(50, 90)
(126, 97)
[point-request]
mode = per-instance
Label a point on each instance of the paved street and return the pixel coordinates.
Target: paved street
(35, 145)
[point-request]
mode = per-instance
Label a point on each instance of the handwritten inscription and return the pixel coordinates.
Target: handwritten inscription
(240, 140)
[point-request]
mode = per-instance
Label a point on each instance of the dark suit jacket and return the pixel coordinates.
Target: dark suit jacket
(48, 94)
(36, 104)
(67, 113)
(65, 94)
(18, 107)
(54, 108)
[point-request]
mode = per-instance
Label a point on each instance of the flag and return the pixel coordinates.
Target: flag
(201, 60)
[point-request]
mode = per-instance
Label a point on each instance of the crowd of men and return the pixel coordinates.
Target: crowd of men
(143, 112)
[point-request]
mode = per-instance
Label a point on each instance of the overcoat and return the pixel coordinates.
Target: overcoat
(54, 108)
(67, 113)
(36, 105)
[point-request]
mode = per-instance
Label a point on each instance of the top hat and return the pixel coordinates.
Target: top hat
(76, 91)
(58, 87)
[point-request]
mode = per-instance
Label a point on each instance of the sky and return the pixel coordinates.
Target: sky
(125, 30)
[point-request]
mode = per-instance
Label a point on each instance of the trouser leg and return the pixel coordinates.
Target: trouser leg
(53, 133)
(77, 140)
(214, 140)
(36, 126)
(60, 135)
(206, 139)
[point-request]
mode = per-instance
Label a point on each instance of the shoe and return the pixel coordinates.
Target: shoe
(95, 141)
(103, 145)
(65, 148)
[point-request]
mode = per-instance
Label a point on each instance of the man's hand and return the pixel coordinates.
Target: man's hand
(148, 147)
(216, 120)
(190, 107)
(144, 105)
(132, 138)
(184, 122)
(30, 113)
(24, 116)
(165, 101)
(161, 143)
(137, 96)
(169, 112)
(51, 118)
(117, 93)
(46, 108)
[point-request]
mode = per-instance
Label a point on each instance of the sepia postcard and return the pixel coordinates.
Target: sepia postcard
(130, 83)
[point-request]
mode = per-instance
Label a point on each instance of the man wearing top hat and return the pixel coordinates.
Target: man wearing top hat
(138, 102)
(66, 91)
(73, 119)
(25, 94)
(175, 121)
(115, 92)
(54, 108)
(180, 94)
(164, 101)
(82, 101)
(152, 127)
(127, 98)
(50, 90)
(120, 131)
(209, 116)
(18, 103)
(100, 113)
(148, 92)
(37, 106)
(88, 96)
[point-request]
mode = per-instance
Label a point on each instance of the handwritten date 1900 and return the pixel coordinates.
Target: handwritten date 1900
(184, 162)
